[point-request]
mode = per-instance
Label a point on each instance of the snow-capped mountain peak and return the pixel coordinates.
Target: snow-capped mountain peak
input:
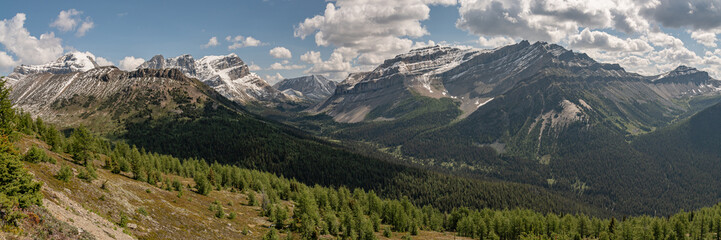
(313, 88)
(227, 74)
(70, 62)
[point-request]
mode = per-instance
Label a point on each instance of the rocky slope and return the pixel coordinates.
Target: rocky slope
(105, 98)
(71, 62)
(534, 113)
(314, 88)
(475, 77)
(228, 75)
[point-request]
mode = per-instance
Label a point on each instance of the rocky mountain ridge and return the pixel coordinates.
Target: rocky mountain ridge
(228, 75)
(474, 77)
(314, 88)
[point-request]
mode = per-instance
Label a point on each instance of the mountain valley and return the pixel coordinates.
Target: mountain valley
(531, 126)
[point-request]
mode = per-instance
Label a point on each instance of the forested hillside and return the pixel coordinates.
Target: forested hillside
(293, 209)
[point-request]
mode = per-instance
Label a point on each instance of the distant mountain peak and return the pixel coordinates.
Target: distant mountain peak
(313, 88)
(227, 74)
(70, 62)
(683, 69)
(682, 74)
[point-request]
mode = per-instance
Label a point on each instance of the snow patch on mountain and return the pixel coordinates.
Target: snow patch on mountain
(314, 88)
(227, 74)
(68, 63)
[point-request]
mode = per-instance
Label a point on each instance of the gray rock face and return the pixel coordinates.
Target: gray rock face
(314, 88)
(683, 74)
(41, 94)
(228, 75)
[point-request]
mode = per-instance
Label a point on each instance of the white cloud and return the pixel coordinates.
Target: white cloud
(601, 40)
(103, 61)
(28, 49)
(69, 19)
(280, 52)
(661, 39)
(495, 41)
(6, 62)
(706, 38)
(311, 57)
(211, 43)
(366, 31)
(252, 42)
(240, 42)
(130, 63)
(254, 67)
(274, 78)
(285, 66)
(337, 66)
(84, 27)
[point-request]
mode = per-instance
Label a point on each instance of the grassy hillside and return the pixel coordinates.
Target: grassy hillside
(260, 205)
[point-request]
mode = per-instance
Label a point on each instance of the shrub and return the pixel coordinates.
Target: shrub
(36, 155)
(177, 185)
(123, 220)
(64, 174)
(271, 235)
(18, 188)
(143, 211)
(252, 201)
(219, 213)
(88, 173)
(202, 185)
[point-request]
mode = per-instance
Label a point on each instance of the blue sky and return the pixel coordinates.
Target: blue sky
(358, 34)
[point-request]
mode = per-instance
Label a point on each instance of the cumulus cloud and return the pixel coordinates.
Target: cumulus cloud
(66, 20)
(241, 42)
(311, 57)
(212, 42)
(595, 27)
(274, 78)
(495, 41)
(6, 62)
(368, 31)
(661, 39)
(130, 63)
(26, 48)
(337, 66)
(254, 67)
(84, 27)
(607, 42)
(695, 14)
(69, 20)
(284, 65)
(706, 38)
(280, 52)
(103, 61)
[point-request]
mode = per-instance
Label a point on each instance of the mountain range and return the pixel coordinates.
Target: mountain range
(532, 114)
(228, 75)
(314, 88)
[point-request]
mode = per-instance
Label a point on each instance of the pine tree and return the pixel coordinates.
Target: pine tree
(17, 188)
(201, 184)
(7, 113)
(80, 142)
(271, 235)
